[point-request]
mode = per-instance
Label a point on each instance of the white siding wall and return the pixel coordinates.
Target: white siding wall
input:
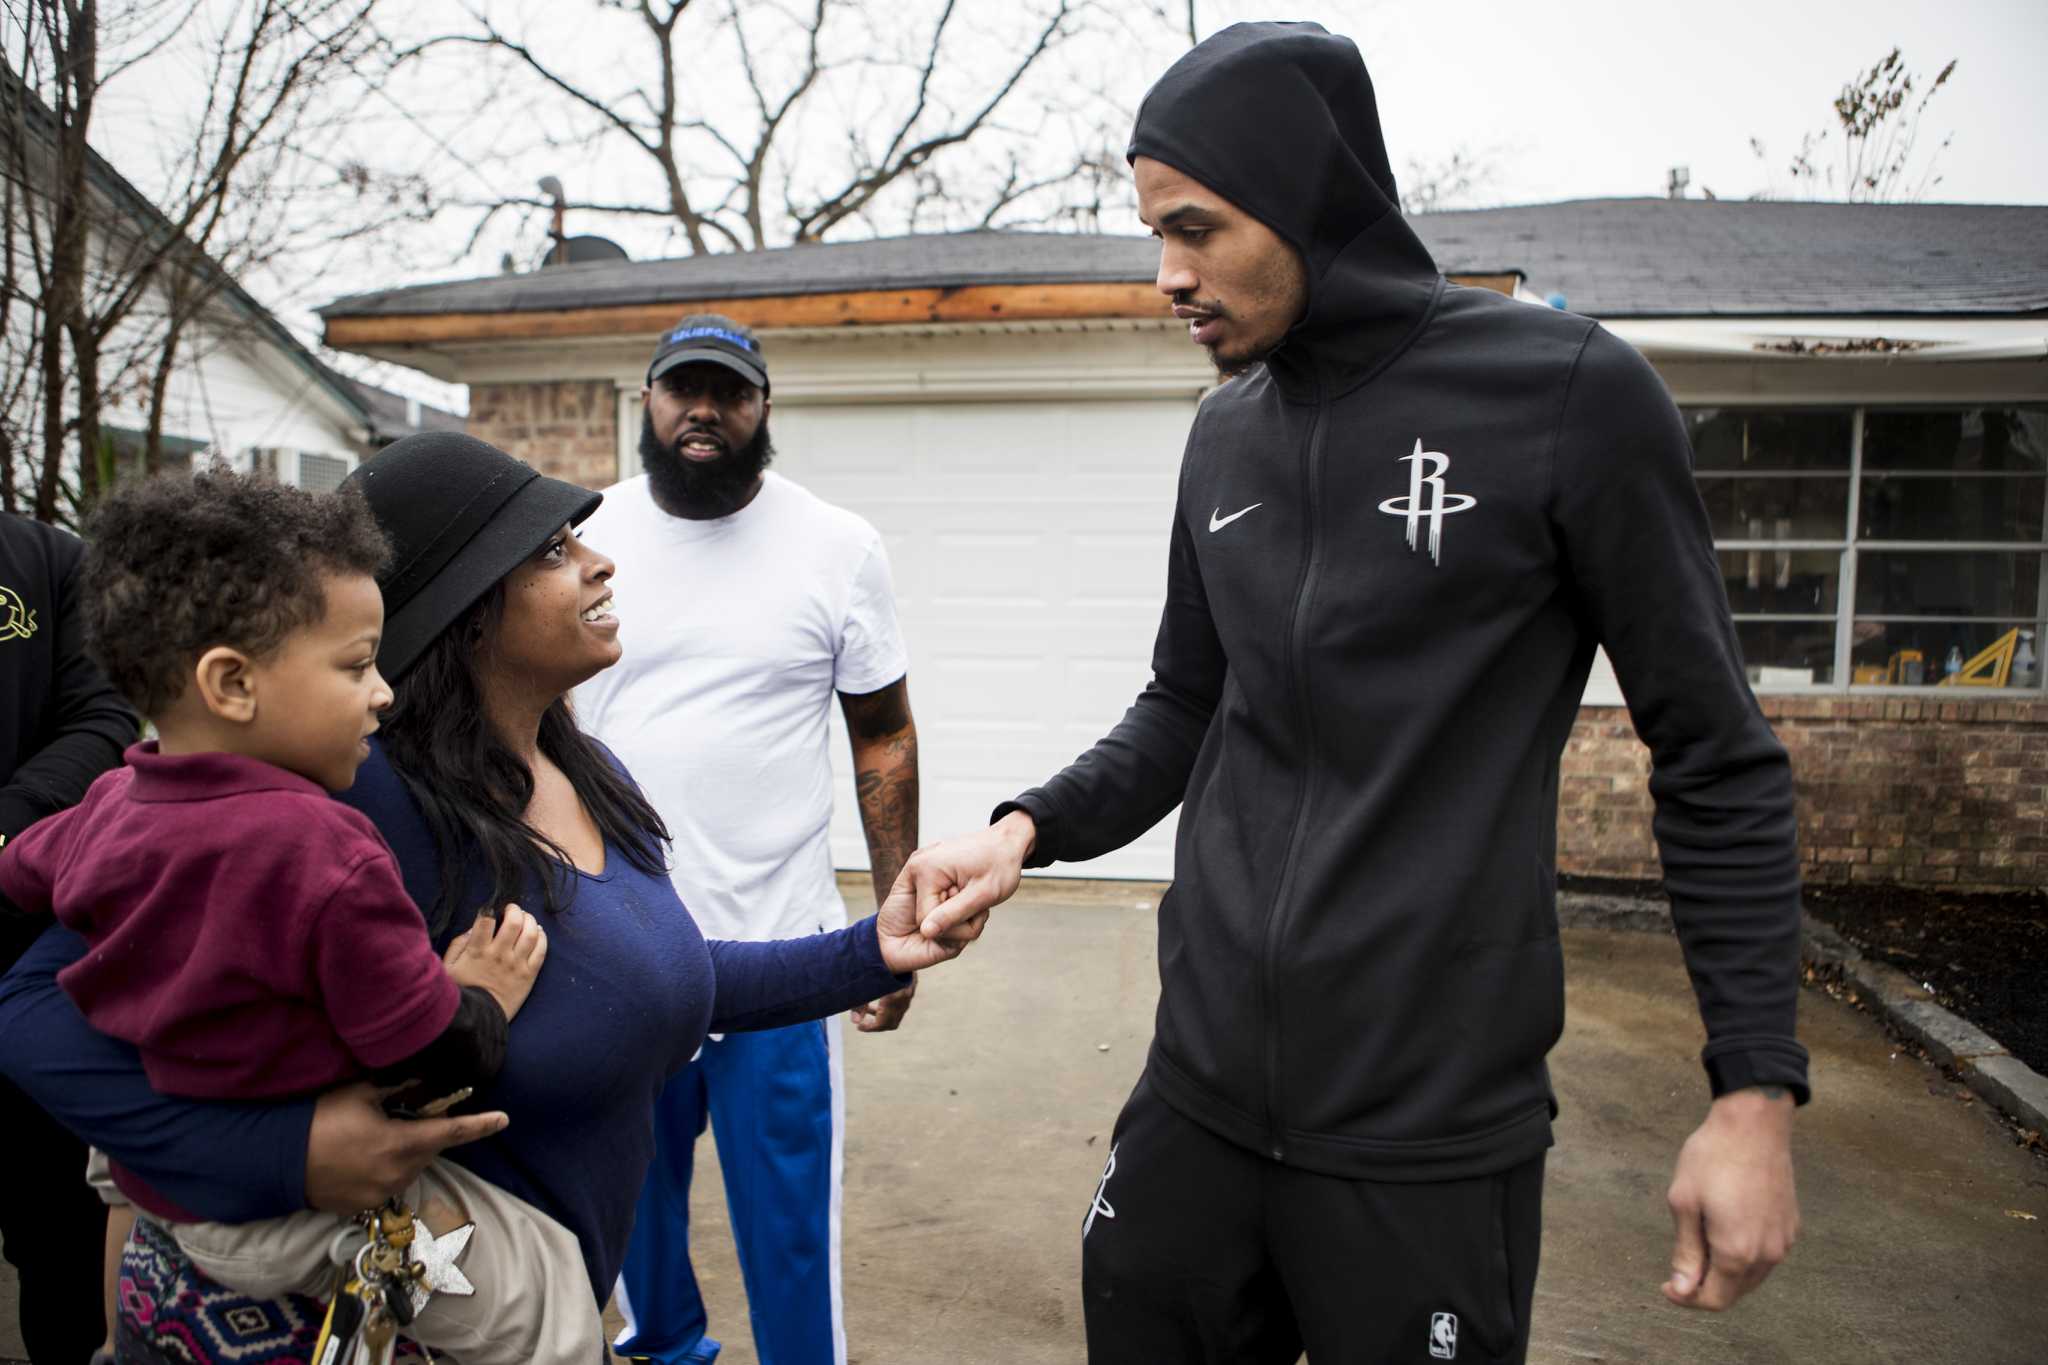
(235, 392)
(234, 389)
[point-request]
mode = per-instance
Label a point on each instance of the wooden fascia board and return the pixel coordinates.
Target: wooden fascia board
(882, 307)
(864, 308)
(1499, 283)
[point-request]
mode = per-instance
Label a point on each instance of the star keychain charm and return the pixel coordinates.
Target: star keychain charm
(435, 1256)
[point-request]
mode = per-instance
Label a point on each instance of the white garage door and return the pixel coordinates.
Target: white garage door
(1028, 542)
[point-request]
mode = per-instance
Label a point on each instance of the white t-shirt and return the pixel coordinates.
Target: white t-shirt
(736, 634)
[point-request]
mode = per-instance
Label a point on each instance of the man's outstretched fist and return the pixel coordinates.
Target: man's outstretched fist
(956, 882)
(906, 945)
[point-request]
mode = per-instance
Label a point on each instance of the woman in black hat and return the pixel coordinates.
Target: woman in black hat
(487, 792)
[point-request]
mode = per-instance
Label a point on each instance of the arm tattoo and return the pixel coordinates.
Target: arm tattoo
(874, 715)
(884, 739)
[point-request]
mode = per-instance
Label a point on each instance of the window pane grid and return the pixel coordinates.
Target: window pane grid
(1818, 473)
(1885, 475)
(1911, 620)
(1845, 627)
(1914, 547)
(1929, 607)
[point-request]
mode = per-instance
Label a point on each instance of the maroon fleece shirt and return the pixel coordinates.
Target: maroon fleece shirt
(249, 934)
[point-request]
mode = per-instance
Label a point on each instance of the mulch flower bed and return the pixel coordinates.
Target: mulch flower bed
(1984, 956)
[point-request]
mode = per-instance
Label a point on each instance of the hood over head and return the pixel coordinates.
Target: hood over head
(1279, 118)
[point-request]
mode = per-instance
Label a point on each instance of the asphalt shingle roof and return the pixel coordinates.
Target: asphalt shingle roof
(391, 413)
(1691, 258)
(1610, 258)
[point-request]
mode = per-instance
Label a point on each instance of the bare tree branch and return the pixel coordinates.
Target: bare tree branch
(924, 79)
(754, 166)
(128, 285)
(1013, 190)
(813, 224)
(1453, 182)
(490, 37)
(725, 146)
(1879, 131)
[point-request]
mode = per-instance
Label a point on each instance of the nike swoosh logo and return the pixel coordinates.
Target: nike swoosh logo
(1217, 521)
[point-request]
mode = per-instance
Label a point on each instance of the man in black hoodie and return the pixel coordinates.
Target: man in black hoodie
(62, 724)
(1402, 530)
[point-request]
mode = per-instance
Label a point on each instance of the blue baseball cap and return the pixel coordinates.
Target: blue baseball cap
(713, 338)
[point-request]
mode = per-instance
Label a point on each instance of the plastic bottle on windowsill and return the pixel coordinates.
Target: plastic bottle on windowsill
(1954, 663)
(2026, 669)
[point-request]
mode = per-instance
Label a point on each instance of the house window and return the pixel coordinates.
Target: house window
(1873, 547)
(130, 446)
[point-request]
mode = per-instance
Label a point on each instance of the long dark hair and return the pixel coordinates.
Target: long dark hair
(474, 789)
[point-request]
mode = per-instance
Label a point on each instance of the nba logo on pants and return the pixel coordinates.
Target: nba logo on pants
(1443, 1335)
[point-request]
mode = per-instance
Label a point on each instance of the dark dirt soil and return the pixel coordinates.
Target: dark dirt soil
(1983, 956)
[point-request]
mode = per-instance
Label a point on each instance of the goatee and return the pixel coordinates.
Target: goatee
(703, 489)
(1227, 370)
(1232, 367)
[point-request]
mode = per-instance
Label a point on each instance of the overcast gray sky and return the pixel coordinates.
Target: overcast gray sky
(1586, 98)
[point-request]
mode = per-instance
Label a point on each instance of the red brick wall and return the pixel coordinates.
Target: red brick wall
(1947, 793)
(568, 428)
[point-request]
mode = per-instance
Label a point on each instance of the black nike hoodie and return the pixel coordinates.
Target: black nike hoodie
(1397, 544)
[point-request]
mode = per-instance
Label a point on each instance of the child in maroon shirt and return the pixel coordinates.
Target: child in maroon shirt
(251, 936)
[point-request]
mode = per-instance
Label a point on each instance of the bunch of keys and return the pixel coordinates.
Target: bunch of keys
(373, 1293)
(374, 1287)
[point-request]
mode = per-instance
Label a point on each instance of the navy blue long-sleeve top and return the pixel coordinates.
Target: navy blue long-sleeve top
(629, 990)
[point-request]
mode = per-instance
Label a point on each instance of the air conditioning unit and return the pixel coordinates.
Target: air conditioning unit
(321, 472)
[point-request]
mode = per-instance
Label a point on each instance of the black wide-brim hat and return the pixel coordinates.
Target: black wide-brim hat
(460, 514)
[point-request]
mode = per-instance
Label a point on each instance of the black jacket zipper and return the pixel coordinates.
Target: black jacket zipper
(1297, 662)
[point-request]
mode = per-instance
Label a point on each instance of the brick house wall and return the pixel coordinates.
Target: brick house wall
(1919, 791)
(568, 428)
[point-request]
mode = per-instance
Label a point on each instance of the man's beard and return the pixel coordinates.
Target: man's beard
(1227, 367)
(703, 489)
(1230, 367)
(1227, 370)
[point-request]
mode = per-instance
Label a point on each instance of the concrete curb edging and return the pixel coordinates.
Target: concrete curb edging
(1994, 1074)
(1586, 910)
(1986, 1067)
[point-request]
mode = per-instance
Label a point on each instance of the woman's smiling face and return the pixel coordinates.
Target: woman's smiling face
(557, 628)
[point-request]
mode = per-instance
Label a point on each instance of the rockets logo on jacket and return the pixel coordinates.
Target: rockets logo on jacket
(1426, 470)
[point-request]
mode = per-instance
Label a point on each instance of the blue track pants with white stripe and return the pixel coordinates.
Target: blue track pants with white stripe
(772, 1101)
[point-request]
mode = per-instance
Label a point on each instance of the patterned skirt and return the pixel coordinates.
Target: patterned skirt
(170, 1314)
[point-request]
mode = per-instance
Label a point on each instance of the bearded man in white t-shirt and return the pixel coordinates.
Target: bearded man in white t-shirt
(745, 604)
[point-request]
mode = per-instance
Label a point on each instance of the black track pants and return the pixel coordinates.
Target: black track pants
(1198, 1250)
(54, 1228)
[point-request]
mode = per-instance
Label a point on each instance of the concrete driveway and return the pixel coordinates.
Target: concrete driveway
(977, 1134)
